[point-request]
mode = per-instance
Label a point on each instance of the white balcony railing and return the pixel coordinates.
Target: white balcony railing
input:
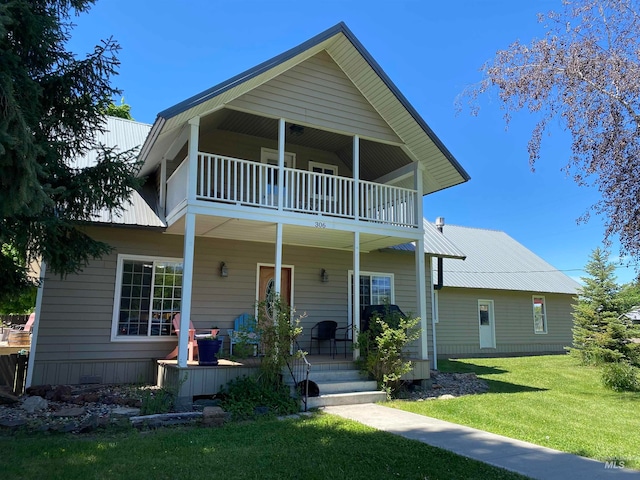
(243, 182)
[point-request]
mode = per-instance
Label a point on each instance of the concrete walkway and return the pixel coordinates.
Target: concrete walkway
(522, 457)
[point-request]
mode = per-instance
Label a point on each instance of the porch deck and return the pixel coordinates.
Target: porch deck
(197, 380)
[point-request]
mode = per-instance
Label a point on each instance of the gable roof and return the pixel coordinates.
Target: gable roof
(442, 171)
(498, 262)
(124, 135)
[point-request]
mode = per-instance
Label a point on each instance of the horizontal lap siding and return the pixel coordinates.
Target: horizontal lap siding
(247, 147)
(74, 335)
(457, 330)
(319, 93)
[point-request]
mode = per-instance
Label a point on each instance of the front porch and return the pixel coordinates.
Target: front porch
(338, 378)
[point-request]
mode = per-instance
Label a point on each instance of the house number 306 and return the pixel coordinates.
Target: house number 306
(321, 225)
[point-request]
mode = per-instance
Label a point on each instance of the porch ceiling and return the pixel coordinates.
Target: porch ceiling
(256, 231)
(376, 159)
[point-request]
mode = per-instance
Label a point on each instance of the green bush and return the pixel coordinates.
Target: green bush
(620, 377)
(381, 349)
(243, 395)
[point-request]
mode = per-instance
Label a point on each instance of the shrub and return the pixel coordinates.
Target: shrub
(620, 377)
(243, 395)
(381, 349)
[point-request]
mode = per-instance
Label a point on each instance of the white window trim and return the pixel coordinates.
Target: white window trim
(544, 314)
(324, 166)
(365, 273)
(267, 154)
(116, 300)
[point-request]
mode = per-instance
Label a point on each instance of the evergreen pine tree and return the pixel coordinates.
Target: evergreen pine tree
(598, 333)
(51, 105)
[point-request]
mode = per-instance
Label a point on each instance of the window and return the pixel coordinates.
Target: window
(539, 315)
(375, 289)
(148, 295)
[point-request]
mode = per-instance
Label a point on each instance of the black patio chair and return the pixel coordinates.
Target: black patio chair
(324, 331)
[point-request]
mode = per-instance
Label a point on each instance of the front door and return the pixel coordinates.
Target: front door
(266, 283)
(487, 324)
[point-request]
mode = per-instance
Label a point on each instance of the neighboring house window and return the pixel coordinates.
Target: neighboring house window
(148, 295)
(539, 315)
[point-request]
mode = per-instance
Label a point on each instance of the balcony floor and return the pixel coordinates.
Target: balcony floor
(320, 232)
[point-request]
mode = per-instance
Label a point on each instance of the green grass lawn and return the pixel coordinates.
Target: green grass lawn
(547, 400)
(319, 447)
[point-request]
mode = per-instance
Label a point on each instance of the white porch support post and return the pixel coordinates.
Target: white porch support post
(189, 244)
(356, 177)
(163, 186)
(194, 130)
(281, 185)
(421, 277)
(36, 327)
(187, 287)
(356, 291)
(278, 264)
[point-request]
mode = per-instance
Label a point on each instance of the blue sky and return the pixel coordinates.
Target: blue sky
(431, 50)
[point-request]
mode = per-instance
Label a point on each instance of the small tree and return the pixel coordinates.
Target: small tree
(278, 329)
(598, 333)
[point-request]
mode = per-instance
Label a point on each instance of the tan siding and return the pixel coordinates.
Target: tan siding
(457, 331)
(76, 318)
(317, 92)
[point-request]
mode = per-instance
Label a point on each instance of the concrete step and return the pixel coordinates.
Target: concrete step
(330, 376)
(353, 398)
(349, 386)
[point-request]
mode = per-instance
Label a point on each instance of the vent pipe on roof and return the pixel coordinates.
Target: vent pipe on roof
(439, 226)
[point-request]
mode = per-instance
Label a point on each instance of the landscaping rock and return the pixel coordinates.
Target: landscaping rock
(12, 424)
(125, 412)
(214, 416)
(34, 404)
(449, 385)
(38, 390)
(70, 412)
(446, 396)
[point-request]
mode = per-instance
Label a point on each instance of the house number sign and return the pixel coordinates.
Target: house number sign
(320, 225)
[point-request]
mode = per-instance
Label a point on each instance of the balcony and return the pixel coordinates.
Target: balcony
(252, 184)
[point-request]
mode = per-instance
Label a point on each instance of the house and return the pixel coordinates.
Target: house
(503, 299)
(292, 178)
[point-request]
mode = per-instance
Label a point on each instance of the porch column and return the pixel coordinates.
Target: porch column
(421, 280)
(281, 186)
(189, 244)
(163, 186)
(277, 273)
(356, 177)
(187, 287)
(356, 292)
(194, 129)
(35, 328)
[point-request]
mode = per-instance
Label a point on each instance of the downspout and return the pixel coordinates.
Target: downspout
(434, 298)
(36, 327)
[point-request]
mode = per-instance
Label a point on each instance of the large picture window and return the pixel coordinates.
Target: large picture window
(539, 315)
(148, 295)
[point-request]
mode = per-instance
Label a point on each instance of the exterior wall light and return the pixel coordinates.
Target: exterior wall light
(324, 276)
(224, 272)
